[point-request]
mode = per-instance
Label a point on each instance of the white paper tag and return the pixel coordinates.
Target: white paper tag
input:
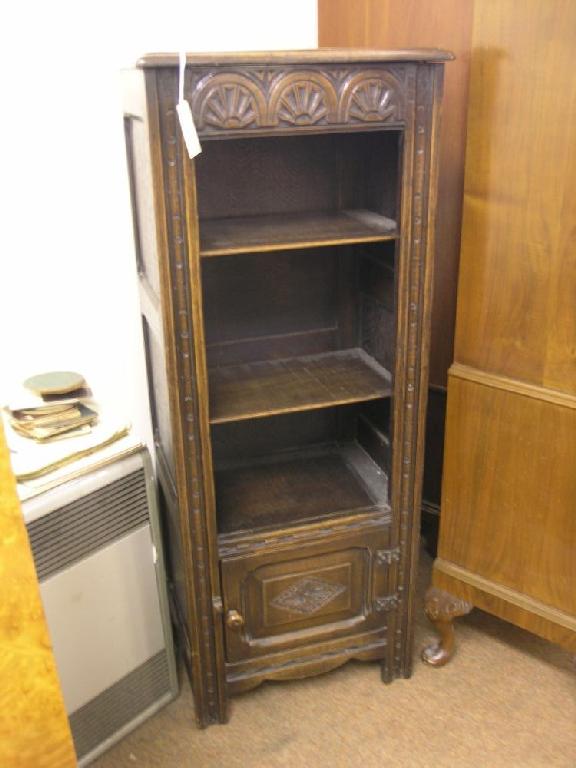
(185, 115)
(188, 128)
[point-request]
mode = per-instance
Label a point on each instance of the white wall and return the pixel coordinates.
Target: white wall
(68, 291)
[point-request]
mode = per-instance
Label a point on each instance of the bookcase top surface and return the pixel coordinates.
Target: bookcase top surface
(315, 56)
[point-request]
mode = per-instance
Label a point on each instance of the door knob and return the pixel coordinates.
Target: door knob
(234, 620)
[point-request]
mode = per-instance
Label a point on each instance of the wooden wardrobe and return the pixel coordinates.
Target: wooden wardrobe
(508, 522)
(285, 279)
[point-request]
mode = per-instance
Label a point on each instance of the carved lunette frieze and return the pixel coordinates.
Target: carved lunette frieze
(224, 101)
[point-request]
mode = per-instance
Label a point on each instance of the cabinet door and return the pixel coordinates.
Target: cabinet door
(286, 598)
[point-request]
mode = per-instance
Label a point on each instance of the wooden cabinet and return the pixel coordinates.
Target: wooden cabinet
(330, 587)
(508, 529)
(285, 278)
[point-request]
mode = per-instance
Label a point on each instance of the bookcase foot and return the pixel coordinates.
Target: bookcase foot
(442, 608)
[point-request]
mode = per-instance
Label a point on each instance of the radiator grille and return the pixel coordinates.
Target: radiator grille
(118, 705)
(87, 524)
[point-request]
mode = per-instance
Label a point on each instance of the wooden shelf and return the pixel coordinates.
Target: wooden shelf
(279, 232)
(301, 486)
(255, 390)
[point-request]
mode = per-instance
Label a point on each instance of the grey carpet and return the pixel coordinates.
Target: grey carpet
(508, 699)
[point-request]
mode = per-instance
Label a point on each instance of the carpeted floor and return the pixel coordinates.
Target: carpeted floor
(508, 699)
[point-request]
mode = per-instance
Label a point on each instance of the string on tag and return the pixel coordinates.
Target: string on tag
(185, 114)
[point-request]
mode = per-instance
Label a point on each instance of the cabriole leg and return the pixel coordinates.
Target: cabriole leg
(442, 608)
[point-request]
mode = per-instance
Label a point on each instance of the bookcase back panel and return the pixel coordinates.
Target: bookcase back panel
(303, 466)
(253, 438)
(288, 174)
(273, 306)
(377, 302)
(261, 306)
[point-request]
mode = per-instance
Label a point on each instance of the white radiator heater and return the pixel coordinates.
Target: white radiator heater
(98, 554)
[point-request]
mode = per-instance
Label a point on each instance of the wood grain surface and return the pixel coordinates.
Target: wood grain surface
(518, 275)
(280, 232)
(298, 384)
(509, 491)
(508, 528)
(314, 56)
(325, 133)
(34, 731)
(446, 23)
(289, 488)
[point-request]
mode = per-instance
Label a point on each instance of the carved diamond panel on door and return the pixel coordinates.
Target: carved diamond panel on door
(274, 600)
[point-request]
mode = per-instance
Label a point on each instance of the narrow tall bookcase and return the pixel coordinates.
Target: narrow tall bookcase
(285, 285)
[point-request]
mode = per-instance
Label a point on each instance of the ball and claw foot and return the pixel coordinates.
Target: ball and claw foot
(442, 608)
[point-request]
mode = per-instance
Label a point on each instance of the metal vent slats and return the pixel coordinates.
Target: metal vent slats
(87, 524)
(111, 710)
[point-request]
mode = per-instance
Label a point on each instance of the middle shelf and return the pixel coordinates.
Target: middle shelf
(255, 390)
(277, 232)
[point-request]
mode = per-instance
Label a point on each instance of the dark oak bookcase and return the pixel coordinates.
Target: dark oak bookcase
(285, 280)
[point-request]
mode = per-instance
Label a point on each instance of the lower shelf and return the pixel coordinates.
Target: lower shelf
(254, 390)
(295, 487)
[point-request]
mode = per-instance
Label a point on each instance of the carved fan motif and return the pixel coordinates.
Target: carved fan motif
(371, 101)
(229, 106)
(302, 103)
(307, 595)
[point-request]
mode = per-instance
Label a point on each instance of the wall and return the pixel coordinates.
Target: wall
(68, 292)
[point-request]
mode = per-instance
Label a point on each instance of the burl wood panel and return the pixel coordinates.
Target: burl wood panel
(447, 24)
(34, 730)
